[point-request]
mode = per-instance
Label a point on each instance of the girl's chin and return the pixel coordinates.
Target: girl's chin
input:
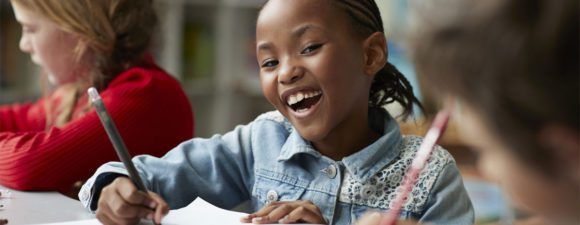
(53, 80)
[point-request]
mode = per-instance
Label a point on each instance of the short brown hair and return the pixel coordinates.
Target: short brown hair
(514, 61)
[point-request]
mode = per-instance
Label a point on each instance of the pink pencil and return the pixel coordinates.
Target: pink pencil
(423, 154)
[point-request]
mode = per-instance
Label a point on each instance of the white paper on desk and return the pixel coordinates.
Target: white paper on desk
(199, 212)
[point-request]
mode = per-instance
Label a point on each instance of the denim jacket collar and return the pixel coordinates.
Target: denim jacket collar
(361, 165)
(295, 145)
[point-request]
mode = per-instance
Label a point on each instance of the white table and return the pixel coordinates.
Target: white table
(40, 207)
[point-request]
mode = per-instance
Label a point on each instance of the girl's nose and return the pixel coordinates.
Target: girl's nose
(24, 44)
(290, 74)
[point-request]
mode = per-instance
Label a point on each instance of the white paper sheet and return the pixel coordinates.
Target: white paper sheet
(199, 212)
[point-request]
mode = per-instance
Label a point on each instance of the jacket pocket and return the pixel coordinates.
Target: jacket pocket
(272, 186)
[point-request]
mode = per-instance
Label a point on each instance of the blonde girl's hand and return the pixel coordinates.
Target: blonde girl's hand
(121, 203)
(374, 218)
(285, 213)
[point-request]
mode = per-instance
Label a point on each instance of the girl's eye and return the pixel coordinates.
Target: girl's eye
(270, 63)
(311, 48)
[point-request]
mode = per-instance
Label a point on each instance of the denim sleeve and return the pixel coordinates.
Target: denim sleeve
(218, 169)
(449, 203)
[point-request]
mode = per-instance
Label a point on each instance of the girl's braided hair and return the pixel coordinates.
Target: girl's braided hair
(389, 85)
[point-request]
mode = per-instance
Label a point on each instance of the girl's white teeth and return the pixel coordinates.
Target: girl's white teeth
(298, 97)
(292, 100)
(301, 110)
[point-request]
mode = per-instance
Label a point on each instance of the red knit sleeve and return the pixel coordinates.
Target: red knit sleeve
(149, 108)
(22, 117)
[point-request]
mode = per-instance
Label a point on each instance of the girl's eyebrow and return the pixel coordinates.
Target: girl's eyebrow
(296, 33)
(301, 30)
(264, 46)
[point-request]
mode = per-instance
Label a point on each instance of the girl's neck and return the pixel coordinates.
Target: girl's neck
(347, 139)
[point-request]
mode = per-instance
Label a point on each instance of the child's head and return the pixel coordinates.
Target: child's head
(513, 66)
(85, 43)
(324, 63)
(104, 35)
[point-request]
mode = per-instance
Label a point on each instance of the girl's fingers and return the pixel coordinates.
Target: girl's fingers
(370, 218)
(248, 218)
(130, 194)
(287, 212)
(123, 209)
(161, 208)
(262, 212)
(122, 203)
(303, 214)
(310, 206)
(103, 218)
(277, 213)
(106, 216)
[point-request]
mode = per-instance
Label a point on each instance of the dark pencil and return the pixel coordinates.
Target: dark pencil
(116, 139)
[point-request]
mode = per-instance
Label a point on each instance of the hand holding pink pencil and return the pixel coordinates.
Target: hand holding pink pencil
(421, 158)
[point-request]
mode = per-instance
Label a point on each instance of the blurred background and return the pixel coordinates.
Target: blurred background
(209, 46)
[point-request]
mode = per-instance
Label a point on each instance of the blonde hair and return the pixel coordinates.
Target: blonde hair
(116, 34)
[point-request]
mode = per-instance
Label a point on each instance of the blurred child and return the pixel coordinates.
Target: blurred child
(328, 154)
(513, 68)
(58, 140)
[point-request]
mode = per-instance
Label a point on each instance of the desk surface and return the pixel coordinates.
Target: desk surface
(40, 207)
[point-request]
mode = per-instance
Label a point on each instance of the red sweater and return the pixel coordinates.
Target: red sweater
(149, 107)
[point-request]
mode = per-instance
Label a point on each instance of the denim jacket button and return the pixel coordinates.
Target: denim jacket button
(271, 196)
(331, 171)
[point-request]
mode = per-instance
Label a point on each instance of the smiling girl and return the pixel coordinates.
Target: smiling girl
(328, 154)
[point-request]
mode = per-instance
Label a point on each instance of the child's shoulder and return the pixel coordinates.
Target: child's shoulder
(410, 146)
(274, 117)
(440, 159)
(384, 183)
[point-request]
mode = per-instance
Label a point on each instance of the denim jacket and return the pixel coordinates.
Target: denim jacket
(267, 160)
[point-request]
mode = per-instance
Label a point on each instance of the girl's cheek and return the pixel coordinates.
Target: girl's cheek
(269, 88)
(485, 167)
(491, 166)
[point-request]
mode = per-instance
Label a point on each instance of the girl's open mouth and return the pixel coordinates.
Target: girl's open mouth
(303, 101)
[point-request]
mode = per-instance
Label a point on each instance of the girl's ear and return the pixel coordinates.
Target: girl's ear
(375, 53)
(565, 144)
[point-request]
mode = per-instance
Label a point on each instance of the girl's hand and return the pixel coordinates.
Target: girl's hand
(121, 203)
(374, 218)
(286, 212)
